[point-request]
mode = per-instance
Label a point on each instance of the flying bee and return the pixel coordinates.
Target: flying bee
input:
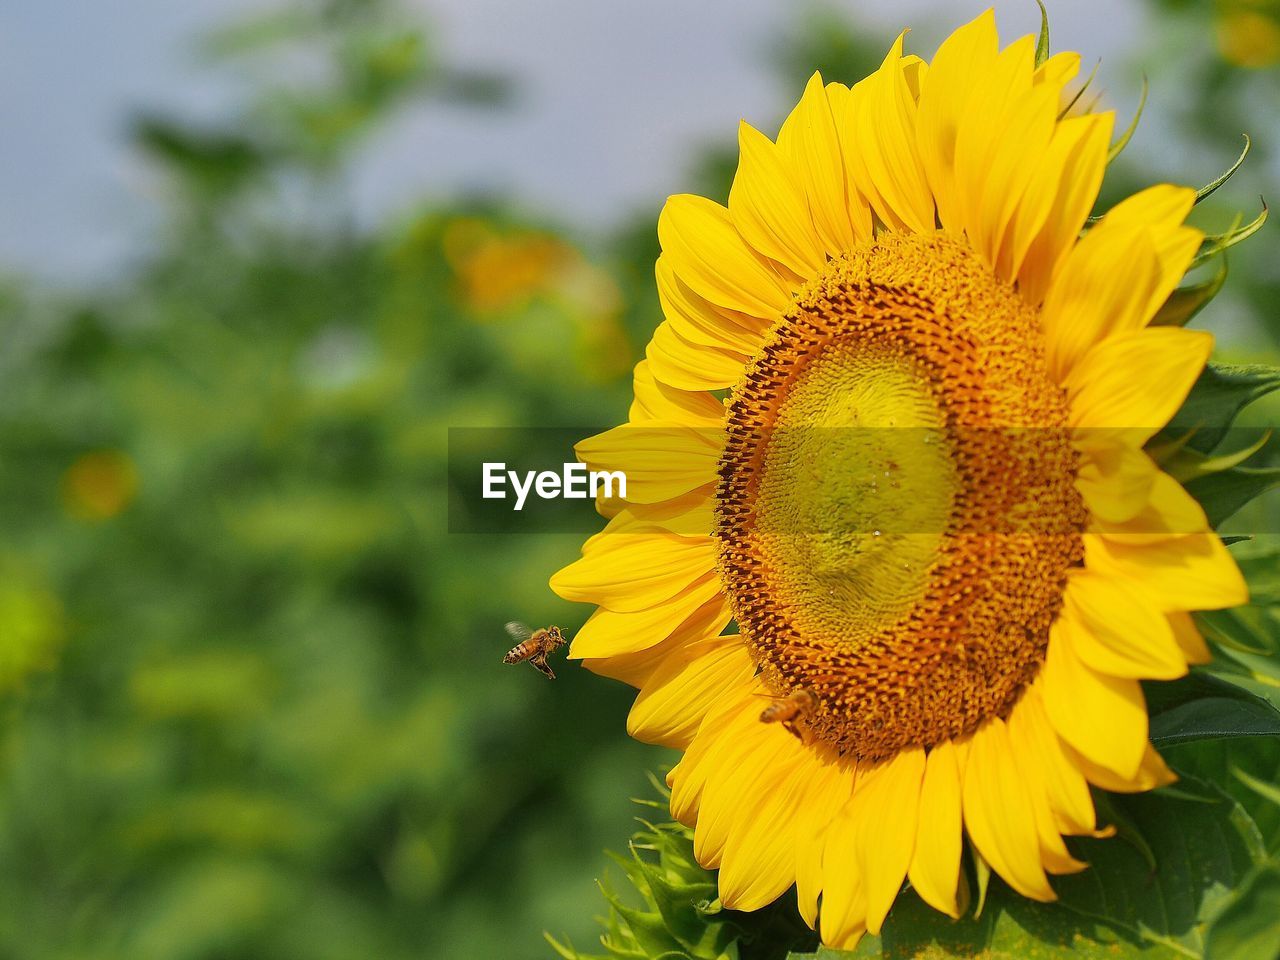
(789, 709)
(534, 646)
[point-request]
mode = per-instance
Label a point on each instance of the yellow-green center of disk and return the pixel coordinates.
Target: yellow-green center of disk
(896, 512)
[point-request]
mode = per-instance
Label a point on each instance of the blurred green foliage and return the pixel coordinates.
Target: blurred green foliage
(252, 699)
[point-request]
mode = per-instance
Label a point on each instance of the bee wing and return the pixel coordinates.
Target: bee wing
(518, 631)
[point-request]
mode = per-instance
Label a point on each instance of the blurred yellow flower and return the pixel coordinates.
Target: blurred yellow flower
(1249, 34)
(498, 271)
(31, 626)
(503, 269)
(99, 485)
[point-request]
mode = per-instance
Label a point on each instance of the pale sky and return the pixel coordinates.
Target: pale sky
(614, 96)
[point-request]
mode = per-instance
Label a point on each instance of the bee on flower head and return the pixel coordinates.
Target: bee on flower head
(790, 709)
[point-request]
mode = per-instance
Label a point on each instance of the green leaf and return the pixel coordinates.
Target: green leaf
(1268, 791)
(1248, 925)
(1012, 928)
(1222, 762)
(1219, 394)
(1262, 571)
(1203, 847)
(1202, 707)
(1223, 493)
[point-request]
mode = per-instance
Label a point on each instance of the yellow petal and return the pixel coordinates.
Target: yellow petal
(830, 784)
(880, 121)
(1062, 191)
(1000, 144)
(677, 695)
(1038, 771)
(759, 861)
(998, 813)
(691, 514)
(1169, 512)
(1189, 637)
(1058, 70)
(885, 810)
(1102, 717)
(1152, 772)
(688, 366)
(698, 321)
(1116, 629)
(1018, 155)
(1136, 380)
(946, 99)
(1161, 209)
(860, 216)
(935, 862)
(740, 767)
(655, 400)
(1194, 572)
(698, 610)
(1091, 300)
(660, 459)
(843, 920)
(1064, 784)
(628, 572)
(706, 251)
(769, 207)
(810, 138)
(1115, 477)
(719, 731)
(886, 165)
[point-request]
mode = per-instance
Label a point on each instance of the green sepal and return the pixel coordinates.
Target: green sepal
(1216, 243)
(1125, 137)
(1218, 396)
(982, 877)
(1185, 464)
(1080, 93)
(1208, 189)
(1246, 644)
(1185, 302)
(678, 914)
(1042, 42)
(1223, 493)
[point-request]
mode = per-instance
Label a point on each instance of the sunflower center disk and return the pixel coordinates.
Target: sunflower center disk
(896, 512)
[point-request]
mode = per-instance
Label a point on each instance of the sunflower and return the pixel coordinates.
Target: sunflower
(887, 485)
